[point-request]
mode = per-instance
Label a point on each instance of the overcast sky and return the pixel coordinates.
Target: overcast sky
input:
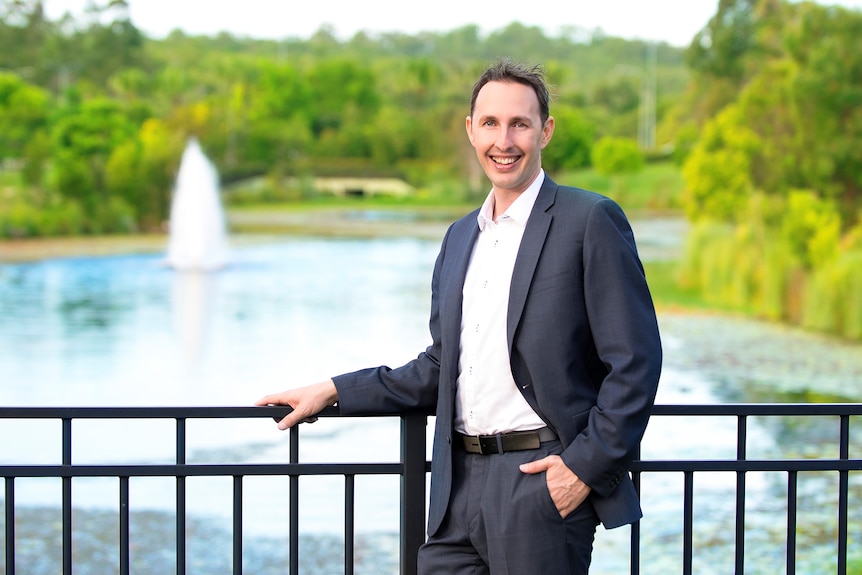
(672, 21)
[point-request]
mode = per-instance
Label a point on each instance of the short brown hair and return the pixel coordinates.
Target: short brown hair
(508, 71)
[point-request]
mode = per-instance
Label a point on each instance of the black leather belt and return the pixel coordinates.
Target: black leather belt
(502, 442)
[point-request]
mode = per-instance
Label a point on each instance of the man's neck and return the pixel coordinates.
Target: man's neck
(502, 201)
(504, 198)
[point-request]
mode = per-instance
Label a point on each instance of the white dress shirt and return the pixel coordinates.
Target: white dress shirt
(487, 398)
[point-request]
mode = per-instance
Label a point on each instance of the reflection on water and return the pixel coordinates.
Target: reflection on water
(127, 331)
(192, 298)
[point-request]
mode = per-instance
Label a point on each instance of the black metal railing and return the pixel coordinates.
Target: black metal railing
(412, 469)
(740, 465)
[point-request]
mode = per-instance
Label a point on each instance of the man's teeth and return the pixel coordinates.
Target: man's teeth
(505, 160)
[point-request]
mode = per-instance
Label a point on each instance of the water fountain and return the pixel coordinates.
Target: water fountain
(198, 237)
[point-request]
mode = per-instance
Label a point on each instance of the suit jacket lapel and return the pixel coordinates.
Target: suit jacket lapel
(528, 255)
(461, 249)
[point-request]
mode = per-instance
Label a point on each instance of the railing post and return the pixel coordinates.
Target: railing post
(349, 523)
(125, 561)
(180, 459)
(792, 498)
(67, 497)
(412, 489)
(741, 454)
(293, 536)
(843, 493)
(10, 525)
(237, 524)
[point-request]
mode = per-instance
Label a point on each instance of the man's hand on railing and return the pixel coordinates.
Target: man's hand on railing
(306, 402)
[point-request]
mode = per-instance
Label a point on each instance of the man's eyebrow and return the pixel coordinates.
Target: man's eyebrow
(515, 120)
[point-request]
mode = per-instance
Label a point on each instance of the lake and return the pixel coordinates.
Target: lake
(127, 331)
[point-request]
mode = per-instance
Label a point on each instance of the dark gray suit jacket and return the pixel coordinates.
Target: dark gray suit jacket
(583, 342)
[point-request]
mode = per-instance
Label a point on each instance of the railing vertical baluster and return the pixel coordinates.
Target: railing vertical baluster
(688, 523)
(181, 497)
(413, 429)
(294, 503)
(349, 522)
(67, 497)
(792, 483)
(10, 525)
(843, 494)
(741, 442)
(124, 525)
(237, 524)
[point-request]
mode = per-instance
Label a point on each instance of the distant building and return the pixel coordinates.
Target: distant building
(341, 187)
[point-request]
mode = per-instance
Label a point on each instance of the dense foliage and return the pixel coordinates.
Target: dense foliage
(97, 114)
(763, 113)
(774, 181)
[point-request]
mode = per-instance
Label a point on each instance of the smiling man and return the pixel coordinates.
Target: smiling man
(544, 362)
(509, 128)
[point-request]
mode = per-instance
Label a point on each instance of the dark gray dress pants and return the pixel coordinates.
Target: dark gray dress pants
(503, 522)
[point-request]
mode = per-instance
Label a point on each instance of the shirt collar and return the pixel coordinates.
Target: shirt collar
(520, 209)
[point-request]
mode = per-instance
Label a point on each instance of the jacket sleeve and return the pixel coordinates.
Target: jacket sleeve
(625, 333)
(413, 386)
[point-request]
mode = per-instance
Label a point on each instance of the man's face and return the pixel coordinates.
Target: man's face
(507, 132)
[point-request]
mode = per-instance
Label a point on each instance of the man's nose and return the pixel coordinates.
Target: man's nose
(504, 138)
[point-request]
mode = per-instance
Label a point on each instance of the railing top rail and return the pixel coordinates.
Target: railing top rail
(204, 412)
(759, 409)
(200, 469)
(142, 412)
(715, 465)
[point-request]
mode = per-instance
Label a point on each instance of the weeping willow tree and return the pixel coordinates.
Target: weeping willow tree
(773, 182)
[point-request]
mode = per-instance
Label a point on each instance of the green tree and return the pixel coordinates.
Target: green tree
(572, 142)
(108, 44)
(279, 115)
(24, 110)
(23, 32)
(824, 44)
(83, 142)
(141, 171)
(614, 157)
(803, 107)
(718, 170)
(729, 50)
(617, 156)
(812, 227)
(619, 95)
(723, 47)
(393, 137)
(341, 89)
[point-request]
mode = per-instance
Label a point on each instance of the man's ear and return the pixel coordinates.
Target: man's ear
(468, 124)
(548, 131)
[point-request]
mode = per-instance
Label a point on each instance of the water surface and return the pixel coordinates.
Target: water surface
(125, 331)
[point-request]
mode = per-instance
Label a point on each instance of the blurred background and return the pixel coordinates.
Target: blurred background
(317, 154)
(743, 118)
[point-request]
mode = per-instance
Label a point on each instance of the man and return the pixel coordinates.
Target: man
(544, 362)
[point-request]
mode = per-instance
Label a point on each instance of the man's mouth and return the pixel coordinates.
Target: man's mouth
(504, 161)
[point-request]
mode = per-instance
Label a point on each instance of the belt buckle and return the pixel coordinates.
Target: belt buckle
(488, 444)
